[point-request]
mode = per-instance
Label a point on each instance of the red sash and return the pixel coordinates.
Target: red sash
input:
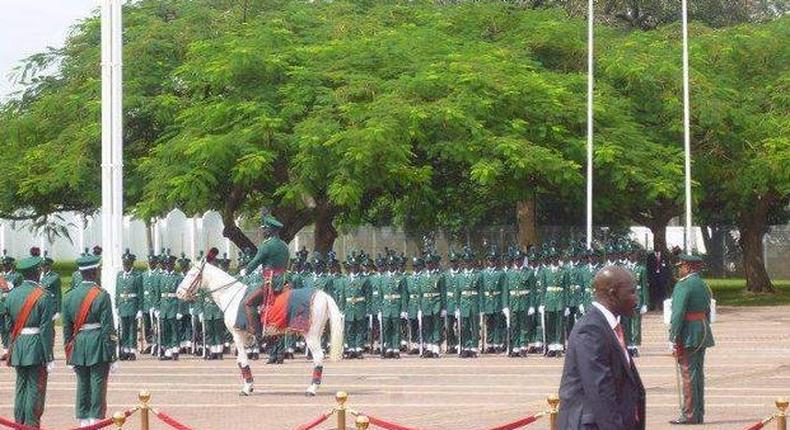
(21, 319)
(85, 308)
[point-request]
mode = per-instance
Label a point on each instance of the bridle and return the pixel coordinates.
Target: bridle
(190, 292)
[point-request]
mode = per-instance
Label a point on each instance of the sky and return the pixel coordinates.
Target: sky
(30, 26)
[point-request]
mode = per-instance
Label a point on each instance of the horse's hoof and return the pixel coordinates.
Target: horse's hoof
(309, 393)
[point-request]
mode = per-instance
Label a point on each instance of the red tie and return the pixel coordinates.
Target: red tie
(618, 330)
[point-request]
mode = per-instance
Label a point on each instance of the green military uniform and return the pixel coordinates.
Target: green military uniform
(432, 290)
(534, 328)
(150, 285)
(450, 305)
(574, 293)
(91, 347)
(413, 286)
(467, 286)
(551, 282)
(393, 309)
(492, 287)
(13, 279)
(31, 348)
(632, 326)
(517, 302)
(213, 322)
(187, 329)
(691, 335)
(129, 304)
(169, 312)
(375, 279)
(51, 282)
(355, 293)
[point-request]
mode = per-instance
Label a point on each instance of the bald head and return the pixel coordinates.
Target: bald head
(615, 288)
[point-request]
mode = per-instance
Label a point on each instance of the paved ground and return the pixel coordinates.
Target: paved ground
(746, 371)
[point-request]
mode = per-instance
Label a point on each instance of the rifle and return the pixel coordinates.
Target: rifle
(159, 351)
(507, 332)
(381, 334)
(543, 327)
(205, 346)
(194, 335)
(446, 333)
(458, 317)
(370, 331)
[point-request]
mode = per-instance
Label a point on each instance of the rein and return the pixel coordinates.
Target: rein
(195, 282)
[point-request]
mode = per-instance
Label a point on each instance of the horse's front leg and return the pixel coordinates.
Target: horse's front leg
(313, 342)
(244, 365)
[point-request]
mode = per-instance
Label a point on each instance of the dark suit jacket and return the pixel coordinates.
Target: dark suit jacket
(599, 389)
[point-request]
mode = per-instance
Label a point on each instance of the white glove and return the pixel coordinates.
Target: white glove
(50, 367)
(443, 313)
(56, 316)
(506, 312)
(643, 310)
(404, 315)
(531, 310)
(114, 367)
(542, 309)
(419, 314)
(567, 312)
(581, 308)
(201, 318)
(156, 314)
(139, 315)
(458, 313)
(70, 367)
(243, 272)
(179, 316)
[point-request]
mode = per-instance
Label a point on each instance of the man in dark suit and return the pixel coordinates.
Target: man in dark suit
(659, 276)
(601, 388)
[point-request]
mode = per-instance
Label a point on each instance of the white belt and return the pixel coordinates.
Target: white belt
(30, 330)
(168, 295)
(91, 326)
(128, 296)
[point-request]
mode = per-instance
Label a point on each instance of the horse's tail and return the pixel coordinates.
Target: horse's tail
(335, 329)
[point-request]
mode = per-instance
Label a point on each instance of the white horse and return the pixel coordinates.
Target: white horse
(227, 292)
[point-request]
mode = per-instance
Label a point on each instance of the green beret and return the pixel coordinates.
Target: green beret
(29, 263)
(270, 222)
(690, 258)
(88, 262)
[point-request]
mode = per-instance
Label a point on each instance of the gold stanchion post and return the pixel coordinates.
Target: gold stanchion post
(362, 422)
(553, 401)
(144, 396)
(340, 410)
(119, 418)
(781, 416)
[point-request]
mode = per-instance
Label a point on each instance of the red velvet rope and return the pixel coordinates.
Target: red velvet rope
(96, 426)
(167, 419)
(518, 424)
(757, 426)
(315, 422)
(378, 422)
(386, 425)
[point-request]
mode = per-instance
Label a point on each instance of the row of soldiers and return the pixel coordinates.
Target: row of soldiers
(512, 303)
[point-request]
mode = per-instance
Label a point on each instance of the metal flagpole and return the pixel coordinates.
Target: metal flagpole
(590, 81)
(112, 145)
(686, 125)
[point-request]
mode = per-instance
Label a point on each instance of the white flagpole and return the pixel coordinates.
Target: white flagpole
(112, 145)
(686, 125)
(590, 83)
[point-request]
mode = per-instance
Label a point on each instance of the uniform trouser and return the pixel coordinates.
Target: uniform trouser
(170, 332)
(632, 327)
(31, 392)
(470, 331)
(92, 391)
(215, 335)
(554, 328)
(518, 329)
(391, 335)
(534, 329)
(432, 326)
(355, 333)
(494, 324)
(3, 331)
(275, 346)
(148, 329)
(691, 364)
(570, 320)
(185, 329)
(414, 330)
(129, 332)
(450, 331)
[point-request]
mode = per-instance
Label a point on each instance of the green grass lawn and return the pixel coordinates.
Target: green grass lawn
(732, 292)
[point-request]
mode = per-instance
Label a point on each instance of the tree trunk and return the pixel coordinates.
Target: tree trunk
(659, 229)
(325, 232)
(294, 219)
(714, 245)
(526, 221)
(753, 225)
(235, 234)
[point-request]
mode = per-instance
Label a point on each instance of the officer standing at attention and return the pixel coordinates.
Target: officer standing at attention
(128, 300)
(690, 335)
(90, 340)
(29, 312)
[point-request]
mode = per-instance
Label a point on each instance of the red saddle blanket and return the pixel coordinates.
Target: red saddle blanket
(289, 312)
